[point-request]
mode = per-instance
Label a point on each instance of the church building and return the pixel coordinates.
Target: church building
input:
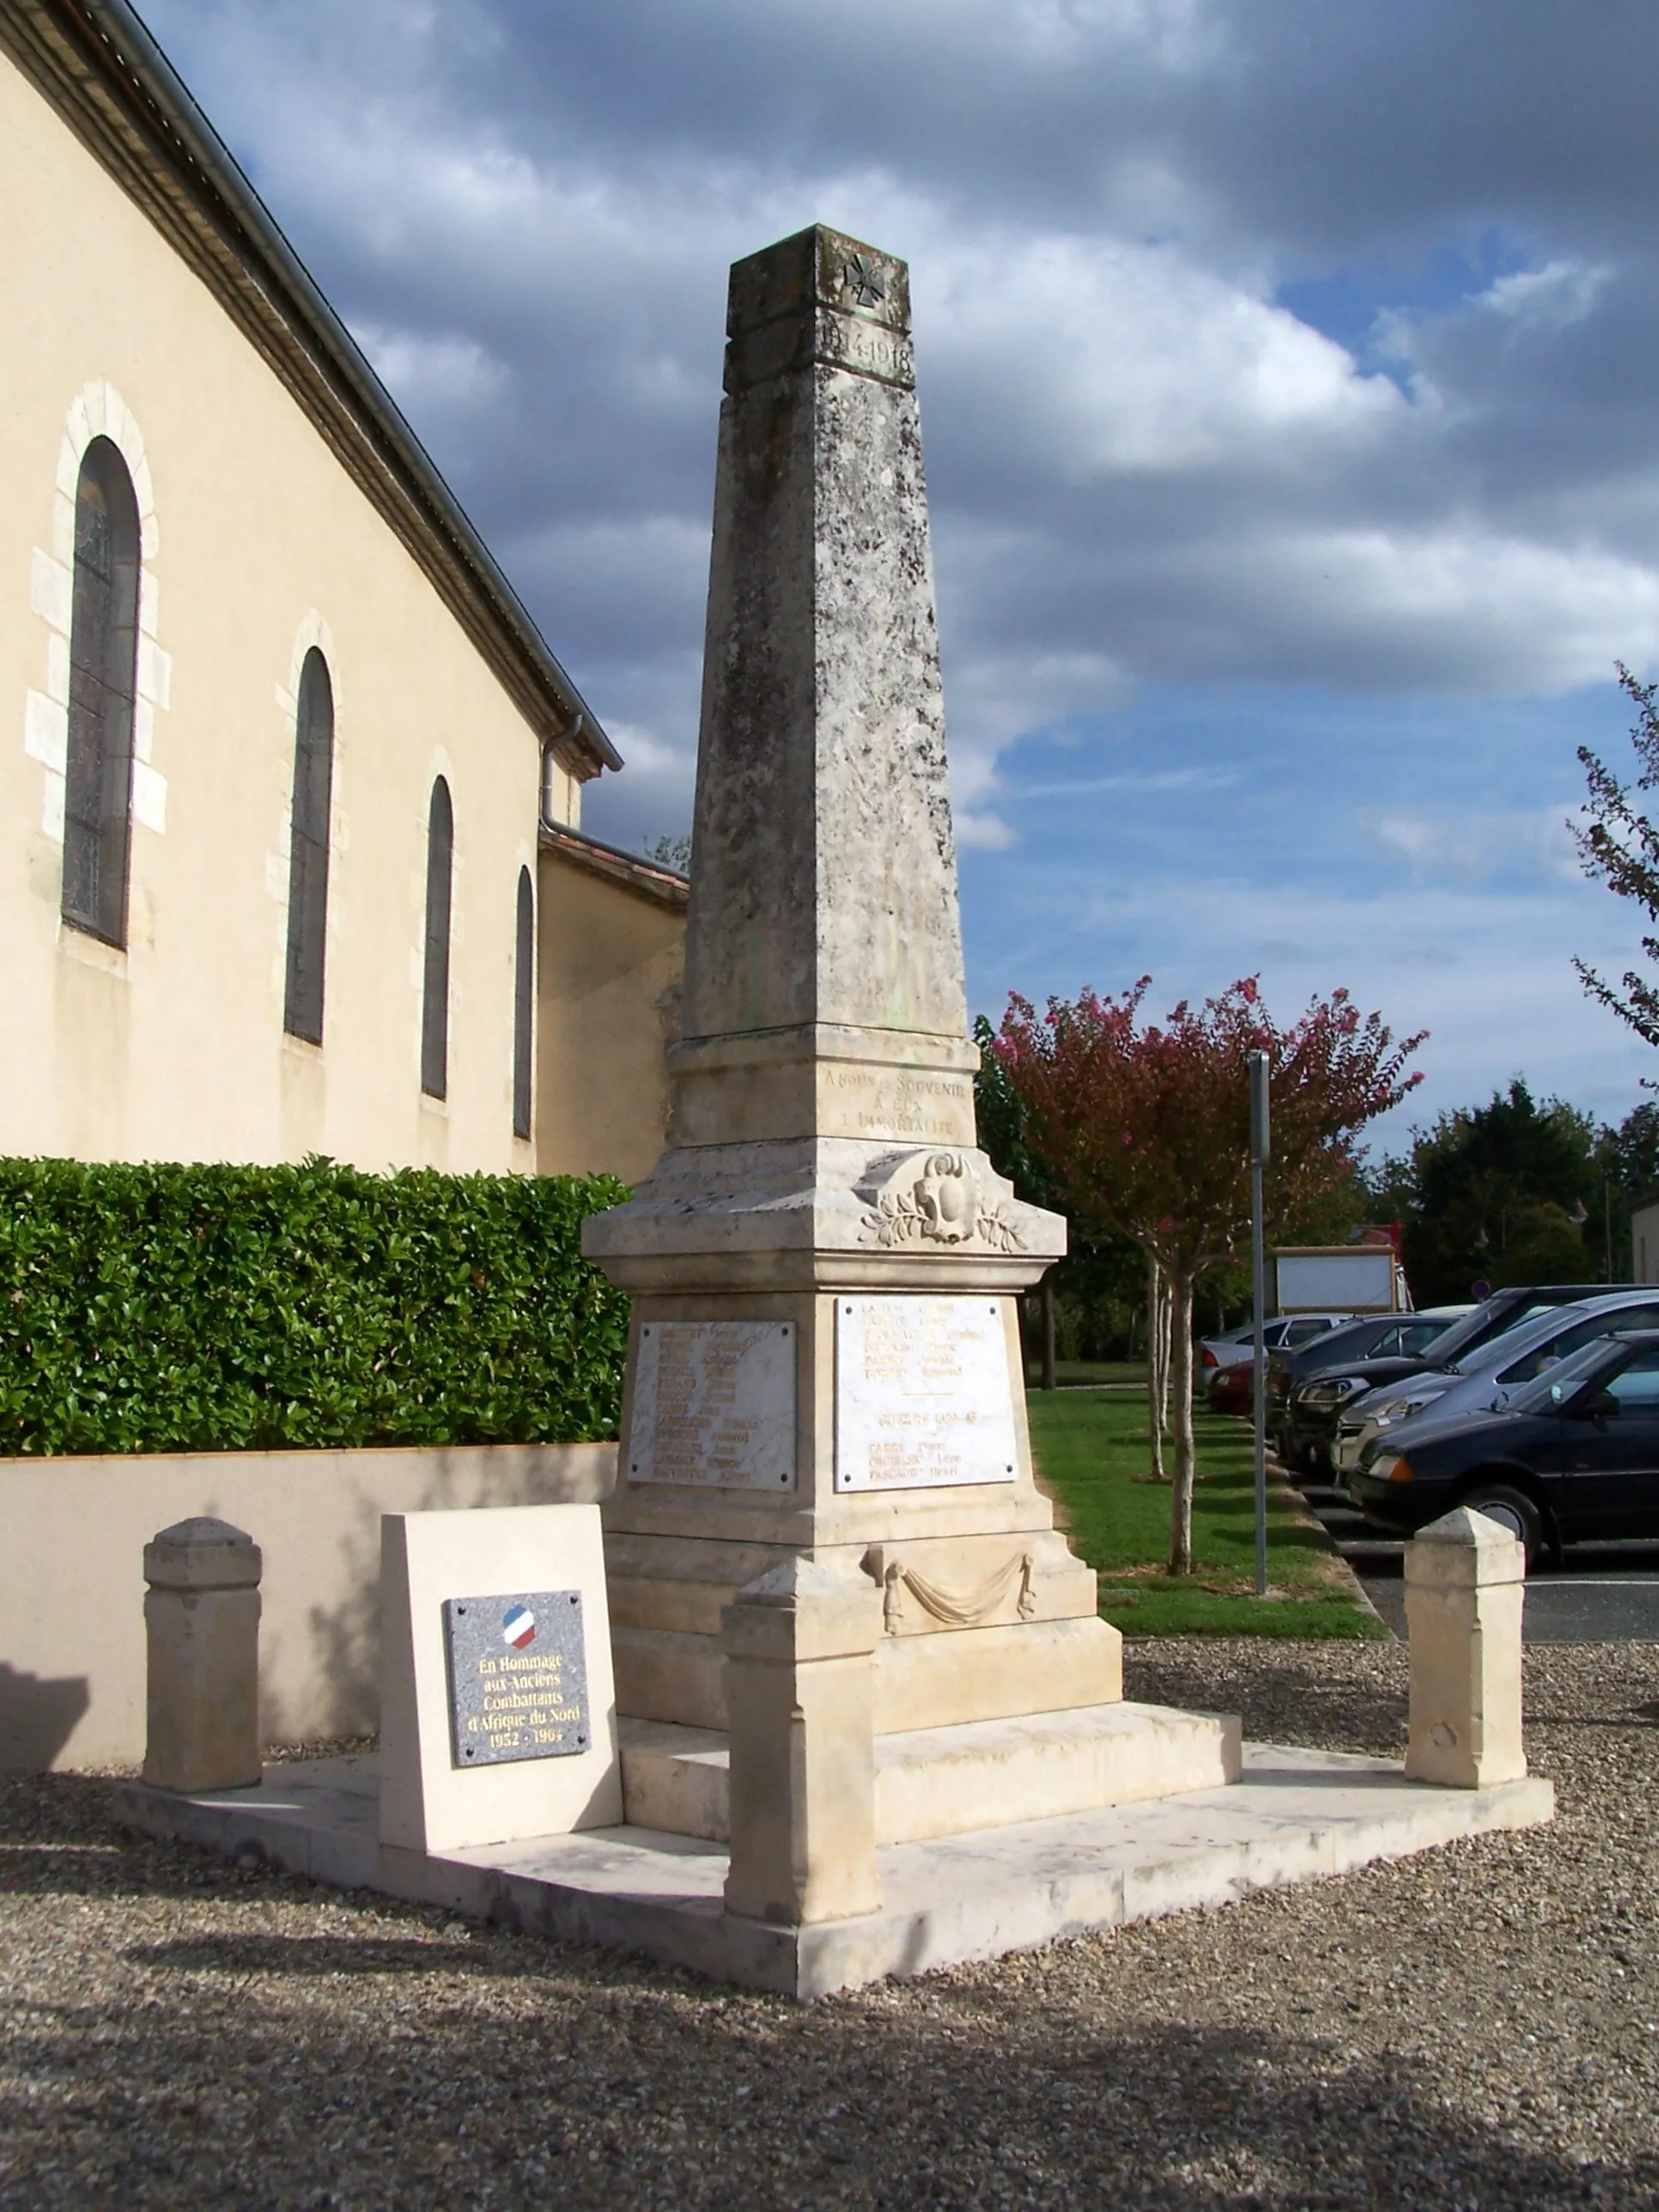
(290, 783)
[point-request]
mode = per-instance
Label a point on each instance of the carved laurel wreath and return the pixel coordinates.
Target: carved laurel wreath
(942, 1204)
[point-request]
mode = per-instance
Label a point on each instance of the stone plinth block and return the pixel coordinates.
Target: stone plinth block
(498, 1715)
(1464, 1587)
(201, 1630)
(1294, 1816)
(799, 1647)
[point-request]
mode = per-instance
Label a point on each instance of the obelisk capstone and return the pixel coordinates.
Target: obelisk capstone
(824, 1462)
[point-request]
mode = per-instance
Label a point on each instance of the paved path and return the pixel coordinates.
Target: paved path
(1600, 1594)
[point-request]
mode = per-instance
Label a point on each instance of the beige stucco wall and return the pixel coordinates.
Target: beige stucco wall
(611, 960)
(72, 1586)
(257, 546)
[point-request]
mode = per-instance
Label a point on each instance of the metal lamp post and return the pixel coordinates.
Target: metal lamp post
(1259, 1139)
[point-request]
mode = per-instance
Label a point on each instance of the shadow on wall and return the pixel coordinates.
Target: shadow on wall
(345, 1638)
(37, 1719)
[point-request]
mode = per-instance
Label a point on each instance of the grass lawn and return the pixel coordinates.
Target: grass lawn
(1069, 1373)
(1092, 1451)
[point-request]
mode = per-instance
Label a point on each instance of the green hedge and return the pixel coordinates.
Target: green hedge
(223, 1308)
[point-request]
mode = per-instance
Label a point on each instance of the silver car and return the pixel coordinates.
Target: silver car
(1286, 1332)
(1482, 1379)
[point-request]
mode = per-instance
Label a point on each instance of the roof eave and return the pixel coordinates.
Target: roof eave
(301, 336)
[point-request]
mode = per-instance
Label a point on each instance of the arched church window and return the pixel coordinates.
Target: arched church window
(103, 672)
(435, 998)
(307, 851)
(524, 1005)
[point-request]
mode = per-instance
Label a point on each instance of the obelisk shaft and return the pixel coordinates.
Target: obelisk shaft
(825, 889)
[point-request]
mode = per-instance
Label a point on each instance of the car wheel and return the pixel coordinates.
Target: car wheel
(1512, 1509)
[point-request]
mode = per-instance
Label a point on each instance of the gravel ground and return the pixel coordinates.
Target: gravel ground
(1477, 2027)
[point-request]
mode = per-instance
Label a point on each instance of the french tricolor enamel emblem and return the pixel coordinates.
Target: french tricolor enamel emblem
(518, 1627)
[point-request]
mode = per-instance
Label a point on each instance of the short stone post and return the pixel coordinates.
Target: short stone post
(202, 1625)
(799, 1648)
(1465, 1580)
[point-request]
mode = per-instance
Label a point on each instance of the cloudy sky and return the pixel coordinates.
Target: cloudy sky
(1292, 429)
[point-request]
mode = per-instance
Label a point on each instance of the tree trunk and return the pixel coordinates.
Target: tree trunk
(1155, 1347)
(1180, 1392)
(1165, 1308)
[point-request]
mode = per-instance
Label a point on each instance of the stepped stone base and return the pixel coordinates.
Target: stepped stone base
(1002, 1672)
(1295, 1816)
(950, 1781)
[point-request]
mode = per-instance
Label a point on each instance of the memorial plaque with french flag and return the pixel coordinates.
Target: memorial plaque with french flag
(518, 1676)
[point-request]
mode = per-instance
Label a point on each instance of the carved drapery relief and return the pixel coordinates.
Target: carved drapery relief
(951, 1608)
(939, 1198)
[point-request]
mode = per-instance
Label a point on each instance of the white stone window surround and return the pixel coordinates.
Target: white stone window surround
(97, 411)
(314, 631)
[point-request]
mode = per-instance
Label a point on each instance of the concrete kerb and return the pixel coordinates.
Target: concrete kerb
(1343, 1577)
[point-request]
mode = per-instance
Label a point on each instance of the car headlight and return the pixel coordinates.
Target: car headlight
(1336, 1393)
(1401, 1409)
(1391, 1467)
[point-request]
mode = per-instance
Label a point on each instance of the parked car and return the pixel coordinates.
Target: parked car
(1307, 1424)
(1483, 1377)
(1233, 1389)
(1356, 1340)
(1572, 1458)
(1285, 1331)
(1337, 1354)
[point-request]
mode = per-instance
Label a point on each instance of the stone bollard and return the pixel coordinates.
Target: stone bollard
(202, 1627)
(1465, 1581)
(799, 1648)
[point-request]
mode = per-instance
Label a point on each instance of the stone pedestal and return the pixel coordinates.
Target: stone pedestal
(1465, 1578)
(202, 1634)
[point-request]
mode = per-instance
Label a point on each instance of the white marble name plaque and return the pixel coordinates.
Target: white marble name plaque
(714, 1404)
(923, 1394)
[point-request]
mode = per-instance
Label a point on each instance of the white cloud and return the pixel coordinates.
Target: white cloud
(1094, 356)
(1474, 849)
(451, 372)
(1564, 291)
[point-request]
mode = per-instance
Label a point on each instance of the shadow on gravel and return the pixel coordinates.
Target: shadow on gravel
(648, 2094)
(224, 2065)
(317, 1954)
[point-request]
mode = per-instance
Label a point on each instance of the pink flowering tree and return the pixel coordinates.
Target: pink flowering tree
(1146, 1129)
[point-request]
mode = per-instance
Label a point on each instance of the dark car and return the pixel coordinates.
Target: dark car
(1378, 1333)
(1335, 1360)
(1307, 1420)
(1572, 1458)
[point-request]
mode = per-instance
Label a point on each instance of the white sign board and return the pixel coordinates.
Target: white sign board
(1358, 1280)
(714, 1404)
(924, 1399)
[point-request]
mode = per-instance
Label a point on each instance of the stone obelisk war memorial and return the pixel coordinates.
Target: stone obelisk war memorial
(866, 1718)
(824, 1426)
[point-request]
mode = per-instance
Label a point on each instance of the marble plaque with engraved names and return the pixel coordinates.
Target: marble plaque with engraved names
(518, 1676)
(714, 1404)
(923, 1394)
